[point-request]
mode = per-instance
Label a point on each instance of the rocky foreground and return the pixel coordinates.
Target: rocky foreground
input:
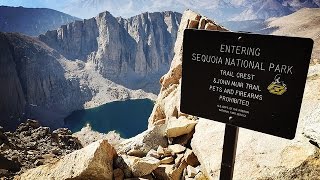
(179, 146)
(32, 145)
(162, 152)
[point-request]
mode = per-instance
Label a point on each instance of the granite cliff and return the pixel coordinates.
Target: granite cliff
(35, 82)
(133, 52)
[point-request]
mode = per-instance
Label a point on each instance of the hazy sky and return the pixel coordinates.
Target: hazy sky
(32, 3)
(124, 8)
(220, 10)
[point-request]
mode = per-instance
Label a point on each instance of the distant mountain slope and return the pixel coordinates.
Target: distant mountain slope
(303, 23)
(246, 26)
(264, 9)
(32, 21)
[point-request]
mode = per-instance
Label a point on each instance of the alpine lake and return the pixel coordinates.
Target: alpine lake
(128, 118)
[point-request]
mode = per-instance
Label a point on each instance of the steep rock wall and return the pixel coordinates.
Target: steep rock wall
(133, 52)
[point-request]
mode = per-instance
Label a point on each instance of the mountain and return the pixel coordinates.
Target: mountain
(84, 64)
(35, 82)
(246, 25)
(303, 23)
(31, 21)
(134, 52)
(263, 9)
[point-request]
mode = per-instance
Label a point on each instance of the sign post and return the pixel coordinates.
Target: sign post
(244, 80)
(229, 152)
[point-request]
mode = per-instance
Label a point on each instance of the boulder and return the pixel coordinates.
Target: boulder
(153, 153)
(310, 110)
(177, 170)
(167, 160)
(210, 26)
(258, 155)
(144, 166)
(92, 162)
(178, 158)
(125, 162)
(180, 126)
(191, 158)
(136, 152)
(169, 171)
(184, 139)
(191, 171)
(202, 23)
(135, 166)
(118, 174)
(193, 24)
(141, 144)
(200, 176)
(160, 150)
(177, 148)
(163, 171)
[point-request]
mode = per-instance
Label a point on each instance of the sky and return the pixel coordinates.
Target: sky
(220, 10)
(125, 8)
(33, 3)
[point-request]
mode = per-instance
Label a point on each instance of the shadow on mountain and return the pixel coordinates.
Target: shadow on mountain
(34, 82)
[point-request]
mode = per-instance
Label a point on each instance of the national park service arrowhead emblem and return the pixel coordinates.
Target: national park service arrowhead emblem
(277, 87)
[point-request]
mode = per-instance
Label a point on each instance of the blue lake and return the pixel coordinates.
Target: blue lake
(128, 118)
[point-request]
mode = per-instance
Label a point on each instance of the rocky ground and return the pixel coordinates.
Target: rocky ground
(32, 145)
(87, 136)
(162, 152)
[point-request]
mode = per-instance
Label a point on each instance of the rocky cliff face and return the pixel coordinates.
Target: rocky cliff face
(12, 101)
(35, 82)
(133, 52)
(31, 21)
(40, 83)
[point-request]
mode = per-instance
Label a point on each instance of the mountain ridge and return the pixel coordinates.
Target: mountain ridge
(31, 21)
(302, 23)
(141, 45)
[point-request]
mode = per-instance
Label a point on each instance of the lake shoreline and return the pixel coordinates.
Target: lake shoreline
(114, 116)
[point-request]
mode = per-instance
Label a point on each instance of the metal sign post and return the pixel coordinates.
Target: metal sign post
(229, 152)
